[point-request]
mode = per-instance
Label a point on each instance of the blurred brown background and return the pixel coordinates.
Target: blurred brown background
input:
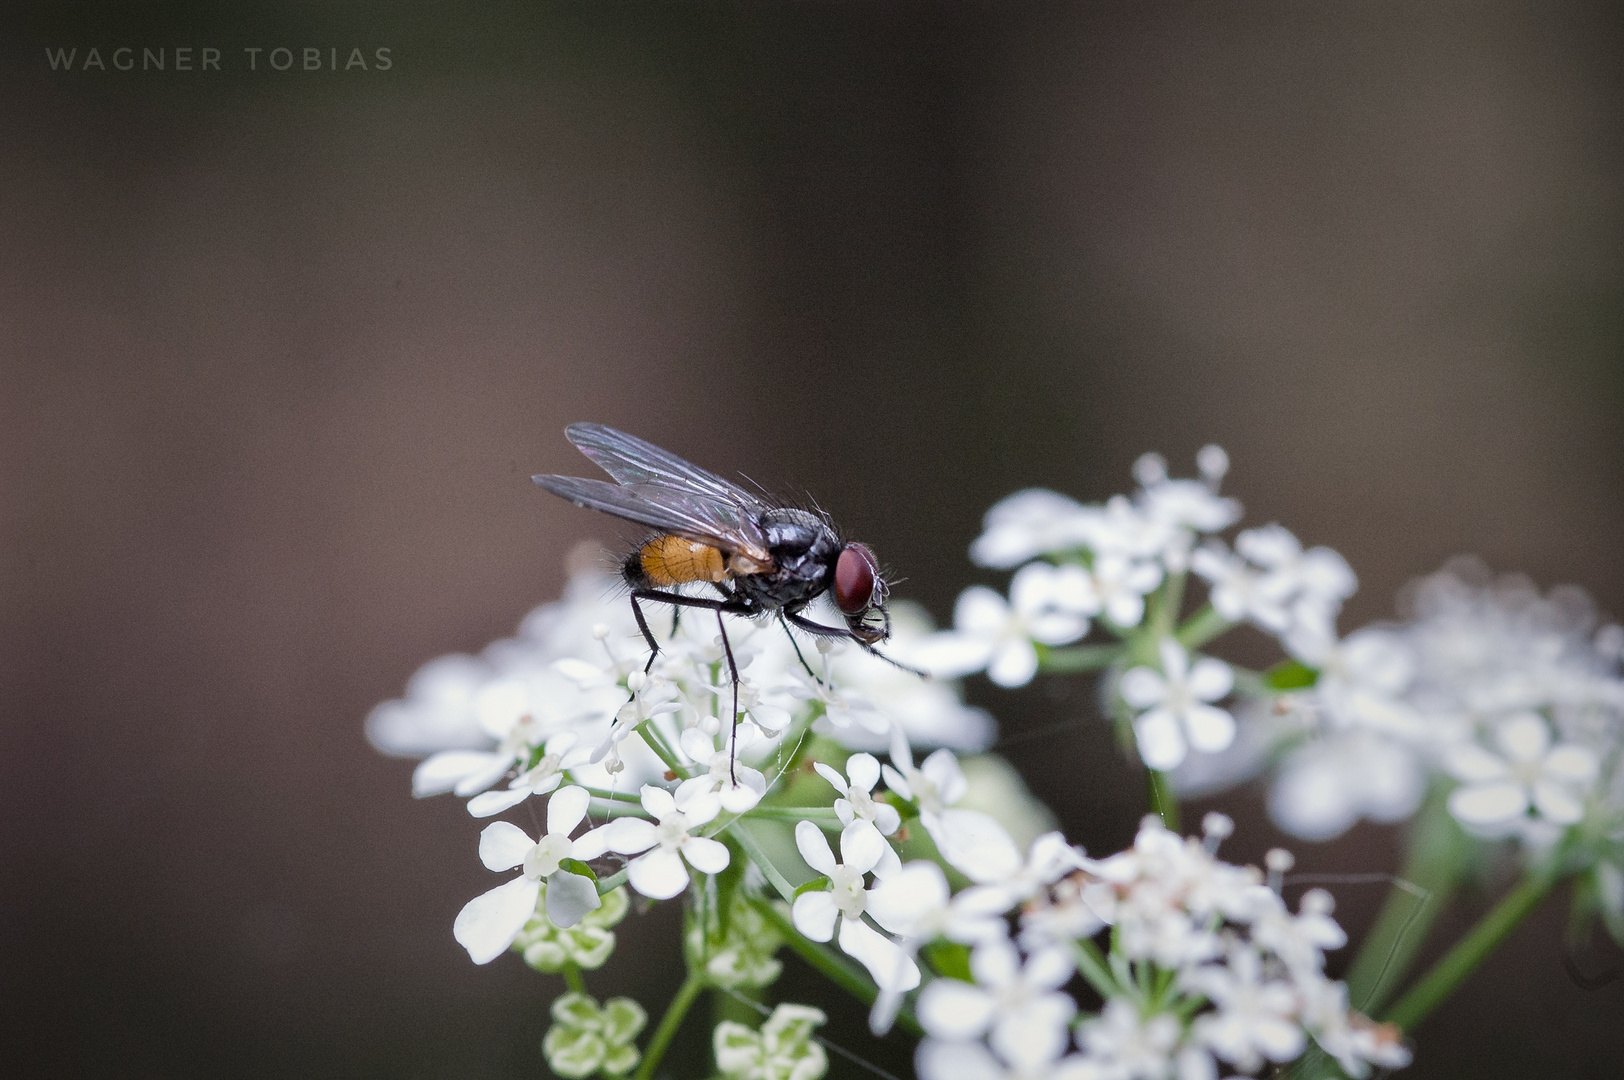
(279, 350)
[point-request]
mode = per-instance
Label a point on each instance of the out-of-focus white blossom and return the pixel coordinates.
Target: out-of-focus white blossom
(1176, 702)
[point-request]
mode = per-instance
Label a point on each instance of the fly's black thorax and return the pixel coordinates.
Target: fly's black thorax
(804, 550)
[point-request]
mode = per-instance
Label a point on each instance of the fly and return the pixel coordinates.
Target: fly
(763, 558)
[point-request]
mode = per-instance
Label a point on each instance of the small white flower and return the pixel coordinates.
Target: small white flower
(539, 779)
(915, 903)
(1239, 592)
(650, 698)
(1028, 524)
(1177, 713)
(815, 914)
(1319, 574)
(658, 873)
(856, 797)
(1019, 1006)
(738, 785)
(1256, 1017)
(1122, 584)
(1048, 604)
(1528, 772)
(487, 924)
(1130, 1046)
(1327, 784)
(972, 842)
(1301, 940)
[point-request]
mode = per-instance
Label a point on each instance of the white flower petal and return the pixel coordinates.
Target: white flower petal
(1557, 804)
(1142, 687)
(503, 845)
(942, 769)
(831, 774)
(697, 745)
(902, 899)
(565, 809)
(939, 1060)
(814, 915)
(1211, 729)
(1489, 803)
(488, 923)
(861, 846)
(698, 806)
(1575, 764)
(441, 772)
(1524, 737)
(570, 897)
(980, 610)
(658, 874)
(705, 855)
(950, 1009)
(490, 803)
(864, 770)
(1210, 679)
(974, 844)
(658, 801)
(626, 835)
(1161, 743)
(481, 779)
(884, 958)
(1013, 664)
(814, 848)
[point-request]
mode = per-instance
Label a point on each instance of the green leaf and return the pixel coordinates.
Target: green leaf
(576, 866)
(817, 884)
(1290, 675)
(949, 958)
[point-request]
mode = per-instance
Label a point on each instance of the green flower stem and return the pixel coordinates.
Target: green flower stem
(741, 833)
(1162, 799)
(612, 882)
(793, 813)
(610, 796)
(572, 975)
(1471, 950)
(1093, 968)
(1438, 851)
(670, 1022)
(1202, 627)
(1078, 658)
(656, 743)
(1168, 600)
(836, 970)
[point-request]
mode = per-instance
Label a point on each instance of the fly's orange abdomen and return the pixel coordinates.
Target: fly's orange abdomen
(675, 560)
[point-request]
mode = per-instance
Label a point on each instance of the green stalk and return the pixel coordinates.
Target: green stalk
(572, 975)
(1077, 659)
(610, 796)
(1471, 950)
(826, 963)
(1091, 964)
(613, 881)
(670, 1022)
(1438, 851)
(1162, 799)
(1202, 627)
(793, 813)
(752, 849)
(656, 743)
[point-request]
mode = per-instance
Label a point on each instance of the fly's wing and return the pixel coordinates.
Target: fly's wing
(633, 462)
(710, 521)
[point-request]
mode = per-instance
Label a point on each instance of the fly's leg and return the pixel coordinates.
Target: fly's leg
(648, 635)
(796, 645)
(733, 669)
(819, 630)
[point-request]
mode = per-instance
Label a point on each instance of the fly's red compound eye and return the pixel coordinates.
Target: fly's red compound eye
(856, 575)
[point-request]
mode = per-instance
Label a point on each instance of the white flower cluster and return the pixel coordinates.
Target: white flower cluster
(1512, 697)
(1207, 964)
(1122, 565)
